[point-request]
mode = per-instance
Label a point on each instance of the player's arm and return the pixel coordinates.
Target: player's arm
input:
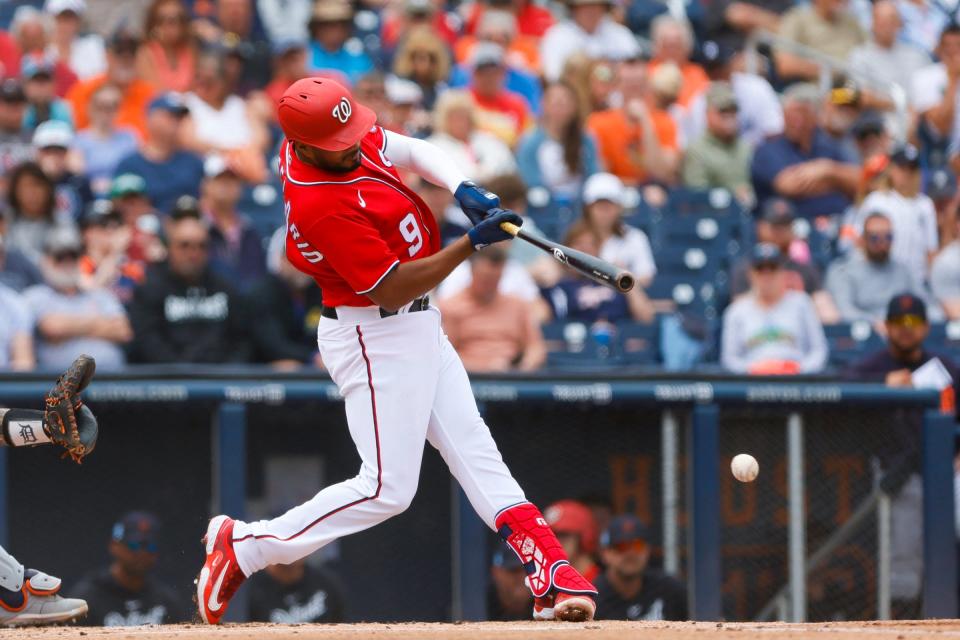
(410, 280)
(435, 165)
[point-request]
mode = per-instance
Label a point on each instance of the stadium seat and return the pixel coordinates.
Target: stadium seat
(263, 205)
(708, 232)
(848, 342)
(572, 344)
(945, 337)
(638, 343)
(702, 202)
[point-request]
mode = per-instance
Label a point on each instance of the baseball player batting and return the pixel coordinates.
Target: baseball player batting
(27, 596)
(373, 247)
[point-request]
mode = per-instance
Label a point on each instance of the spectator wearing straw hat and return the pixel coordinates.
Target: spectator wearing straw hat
(331, 51)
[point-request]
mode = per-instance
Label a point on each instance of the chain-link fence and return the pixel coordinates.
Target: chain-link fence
(854, 537)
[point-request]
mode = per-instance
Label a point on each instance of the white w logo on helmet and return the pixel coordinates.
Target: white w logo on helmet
(343, 110)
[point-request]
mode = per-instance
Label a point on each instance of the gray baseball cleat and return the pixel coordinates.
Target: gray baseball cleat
(38, 603)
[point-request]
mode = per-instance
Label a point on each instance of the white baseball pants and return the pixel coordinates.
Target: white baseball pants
(401, 380)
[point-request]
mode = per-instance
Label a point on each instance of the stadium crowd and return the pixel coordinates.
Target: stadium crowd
(778, 175)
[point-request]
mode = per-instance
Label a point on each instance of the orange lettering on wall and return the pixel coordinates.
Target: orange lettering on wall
(843, 468)
(630, 485)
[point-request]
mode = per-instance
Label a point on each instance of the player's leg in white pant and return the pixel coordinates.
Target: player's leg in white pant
(463, 439)
(398, 357)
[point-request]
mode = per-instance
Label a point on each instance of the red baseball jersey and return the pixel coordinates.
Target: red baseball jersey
(349, 230)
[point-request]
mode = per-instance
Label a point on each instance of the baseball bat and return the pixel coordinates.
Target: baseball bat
(594, 268)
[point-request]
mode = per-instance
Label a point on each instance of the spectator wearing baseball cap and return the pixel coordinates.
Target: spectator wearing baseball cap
(500, 112)
(167, 57)
(499, 26)
(775, 226)
(99, 148)
(629, 589)
(842, 105)
(759, 108)
(508, 598)
(72, 320)
(16, 144)
(577, 531)
(914, 218)
(106, 262)
(42, 101)
(127, 593)
(860, 284)
(557, 154)
(720, 158)
(168, 170)
(589, 29)
(121, 72)
(331, 49)
(605, 200)
(907, 328)
(84, 53)
(772, 329)
(52, 140)
(236, 248)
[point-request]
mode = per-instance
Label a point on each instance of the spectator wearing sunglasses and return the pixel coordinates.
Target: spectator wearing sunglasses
(69, 319)
(860, 284)
(125, 593)
(183, 311)
(629, 589)
(914, 218)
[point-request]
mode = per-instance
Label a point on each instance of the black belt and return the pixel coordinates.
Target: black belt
(419, 304)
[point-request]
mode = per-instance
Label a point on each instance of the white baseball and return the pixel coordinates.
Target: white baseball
(744, 467)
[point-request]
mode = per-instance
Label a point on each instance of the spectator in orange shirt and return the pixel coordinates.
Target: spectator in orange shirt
(532, 19)
(499, 112)
(637, 142)
(122, 72)
(492, 331)
(167, 56)
(500, 27)
(673, 42)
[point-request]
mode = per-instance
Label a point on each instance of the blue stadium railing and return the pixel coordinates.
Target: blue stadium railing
(232, 394)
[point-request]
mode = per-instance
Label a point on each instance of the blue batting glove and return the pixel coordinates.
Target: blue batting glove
(488, 230)
(475, 201)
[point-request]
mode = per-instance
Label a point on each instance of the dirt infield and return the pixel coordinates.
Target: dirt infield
(904, 630)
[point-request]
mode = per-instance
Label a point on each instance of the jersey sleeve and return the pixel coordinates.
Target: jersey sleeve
(353, 247)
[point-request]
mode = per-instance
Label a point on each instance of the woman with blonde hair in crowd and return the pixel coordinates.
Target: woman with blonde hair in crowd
(422, 58)
(166, 59)
(479, 155)
(557, 154)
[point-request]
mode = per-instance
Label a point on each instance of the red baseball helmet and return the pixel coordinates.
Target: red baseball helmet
(321, 112)
(570, 516)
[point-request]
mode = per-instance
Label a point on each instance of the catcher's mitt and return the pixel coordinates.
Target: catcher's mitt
(67, 421)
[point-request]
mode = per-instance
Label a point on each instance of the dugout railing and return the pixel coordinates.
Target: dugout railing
(813, 538)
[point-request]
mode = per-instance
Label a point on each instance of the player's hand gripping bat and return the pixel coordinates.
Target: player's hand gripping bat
(590, 266)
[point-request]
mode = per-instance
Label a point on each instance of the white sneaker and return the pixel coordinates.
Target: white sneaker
(38, 603)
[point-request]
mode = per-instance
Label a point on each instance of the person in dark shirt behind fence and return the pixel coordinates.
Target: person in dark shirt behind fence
(507, 596)
(183, 312)
(296, 593)
(629, 589)
(125, 594)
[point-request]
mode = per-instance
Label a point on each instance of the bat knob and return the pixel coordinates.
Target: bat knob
(625, 282)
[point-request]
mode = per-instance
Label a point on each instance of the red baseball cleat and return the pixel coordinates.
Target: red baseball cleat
(221, 575)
